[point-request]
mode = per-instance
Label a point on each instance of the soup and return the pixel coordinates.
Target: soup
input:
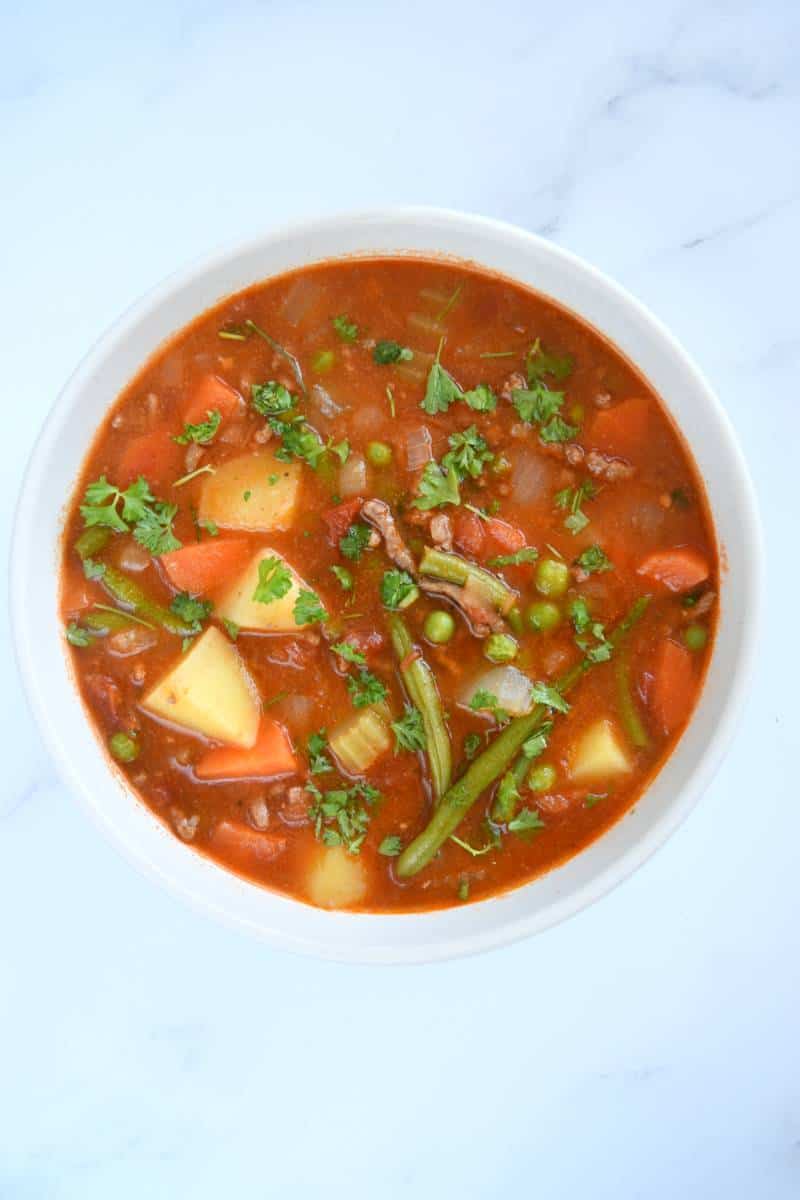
(388, 584)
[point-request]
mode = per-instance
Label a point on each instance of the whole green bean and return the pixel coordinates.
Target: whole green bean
(494, 760)
(100, 621)
(628, 709)
(92, 541)
(125, 591)
(454, 569)
(423, 692)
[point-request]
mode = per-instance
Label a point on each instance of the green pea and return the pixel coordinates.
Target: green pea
(541, 777)
(123, 747)
(552, 577)
(695, 637)
(379, 454)
(501, 465)
(439, 626)
(500, 648)
(543, 615)
(576, 414)
(322, 361)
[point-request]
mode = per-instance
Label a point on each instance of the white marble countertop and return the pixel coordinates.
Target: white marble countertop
(647, 1048)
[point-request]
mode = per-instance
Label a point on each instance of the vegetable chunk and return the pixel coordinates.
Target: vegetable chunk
(209, 692)
(270, 756)
(679, 570)
(336, 879)
(254, 492)
(360, 740)
(672, 693)
(275, 615)
(202, 567)
(599, 754)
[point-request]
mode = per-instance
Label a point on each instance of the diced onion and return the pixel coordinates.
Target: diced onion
(510, 687)
(532, 477)
(353, 476)
(325, 401)
(418, 448)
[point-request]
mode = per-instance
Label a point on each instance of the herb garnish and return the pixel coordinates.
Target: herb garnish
(348, 652)
(274, 580)
(344, 577)
(468, 454)
(318, 762)
(340, 816)
(572, 499)
(346, 329)
(190, 609)
(308, 609)
(271, 398)
(546, 694)
(441, 389)
(203, 432)
(527, 554)
(77, 636)
(437, 488)
(355, 541)
(386, 352)
(594, 559)
(398, 589)
(409, 731)
(365, 689)
(390, 846)
(150, 519)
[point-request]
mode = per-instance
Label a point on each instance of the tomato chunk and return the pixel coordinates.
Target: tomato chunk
(340, 518)
(200, 568)
(271, 755)
(505, 538)
(468, 533)
(679, 570)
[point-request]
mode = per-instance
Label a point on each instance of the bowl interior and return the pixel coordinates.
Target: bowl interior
(38, 637)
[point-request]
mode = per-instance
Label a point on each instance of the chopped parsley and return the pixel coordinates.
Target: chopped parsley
(271, 398)
(349, 653)
(538, 363)
(594, 798)
(93, 569)
(386, 352)
(190, 609)
(540, 405)
(202, 433)
(341, 450)
(398, 589)
(481, 398)
(579, 612)
(346, 329)
(274, 580)
(441, 389)
(507, 799)
(527, 554)
(345, 579)
(485, 701)
(549, 696)
(536, 405)
(472, 743)
(477, 851)
(594, 559)
(409, 731)
(557, 430)
(390, 846)
(526, 821)
(437, 488)
(341, 816)
(298, 441)
(572, 499)
(77, 636)
(536, 744)
(149, 519)
(365, 689)
(355, 541)
(231, 628)
(318, 762)
(468, 454)
(308, 609)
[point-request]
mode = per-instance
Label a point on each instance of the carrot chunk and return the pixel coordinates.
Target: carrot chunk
(340, 518)
(243, 843)
(673, 689)
(271, 755)
(679, 570)
(506, 538)
(468, 533)
(153, 455)
(621, 430)
(206, 565)
(211, 393)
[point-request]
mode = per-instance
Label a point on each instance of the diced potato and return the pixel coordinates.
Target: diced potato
(337, 879)
(239, 606)
(359, 741)
(209, 692)
(240, 496)
(599, 754)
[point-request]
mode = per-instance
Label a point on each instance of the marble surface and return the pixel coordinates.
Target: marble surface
(649, 1047)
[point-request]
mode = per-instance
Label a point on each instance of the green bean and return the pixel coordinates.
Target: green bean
(106, 621)
(421, 687)
(494, 760)
(92, 541)
(628, 709)
(504, 808)
(454, 569)
(126, 592)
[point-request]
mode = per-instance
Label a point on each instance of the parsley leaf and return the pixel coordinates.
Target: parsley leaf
(536, 744)
(274, 580)
(231, 628)
(341, 816)
(346, 329)
(594, 559)
(344, 577)
(437, 488)
(409, 731)
(341, 450)
(365, 689)
(190, 610)
(202, 433)
(579, 612)
(308, 609)
(441, 389)
(349, 653)
(298, 441)
(93, 569)
(538, 404)
(77, 636)
(101, 499)
(472, 743)
(153, 530)
(572, 499)
(386, 352)
(398, 589)
(355, 541)
(270, 398)
(318, 762)
(468, 454)
(527, 554)
(390, 846)
(557, 430)
(545, 693)
(481, 398)
(485, 701)
(526, 821)
(506, 800)
(538, 362)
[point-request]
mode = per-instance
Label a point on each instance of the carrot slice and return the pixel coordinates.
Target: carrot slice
(271, 755)
(679, 569)
(153, 455)
(507, 538)
(621, 430)
(340, 518)
(210, 394)
(238, 840)
(202, 567)
(673, 689)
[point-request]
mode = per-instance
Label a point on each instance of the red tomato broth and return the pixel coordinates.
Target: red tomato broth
(301, 683)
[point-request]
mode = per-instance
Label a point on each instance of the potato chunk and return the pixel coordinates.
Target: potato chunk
(336, 879)
(599, 754)
(277, 616)
(239, 495)
(209, 692)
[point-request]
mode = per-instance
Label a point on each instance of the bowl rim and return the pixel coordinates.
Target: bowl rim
(441, 220)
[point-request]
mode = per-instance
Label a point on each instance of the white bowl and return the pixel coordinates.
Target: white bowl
(39, 640)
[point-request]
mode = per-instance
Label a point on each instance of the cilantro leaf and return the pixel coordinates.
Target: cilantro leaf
(100, 505)
(536, 744)
(386, 352)
(437, 488)
(594, 559)
(481, 398)
(527, 554)
(468, 454)
(270, 398)
(545, 693)
(231, 628)
(579, 612)
(346, 329)
(190, 609)
(486, 701)
(341, 816)
(526, 821)
(93, 569)
(441, 389)
(341, 450)
(355, 541)
(390, 846)
(365, 689)
(538, 404)
(472, 743)
(308, 609)
(507, 799)
(151, 519)
(572, 499)
(349, 653)
(344, 577)
(557, 430)
(409, 731)
(398, 589)
(318, 761)
(77, 636)
(153, 530)
(274, 580)
(539, 362)
(203, 432)
(298, 440)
